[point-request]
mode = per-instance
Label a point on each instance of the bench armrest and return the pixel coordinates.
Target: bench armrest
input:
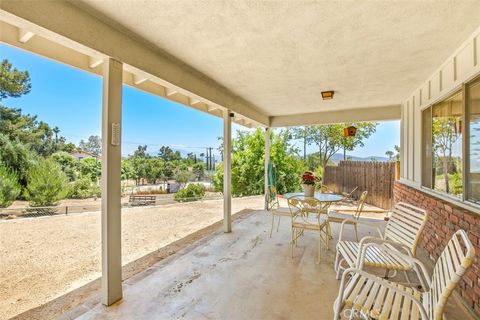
(358, 222)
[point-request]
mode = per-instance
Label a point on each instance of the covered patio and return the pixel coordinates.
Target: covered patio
(240, 275)
(265, 64)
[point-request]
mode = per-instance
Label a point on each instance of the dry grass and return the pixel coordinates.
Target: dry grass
(44, 258)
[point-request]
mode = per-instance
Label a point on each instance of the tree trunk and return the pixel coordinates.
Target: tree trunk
(445, 174)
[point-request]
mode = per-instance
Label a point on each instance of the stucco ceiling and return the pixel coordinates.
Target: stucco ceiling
(280, 55)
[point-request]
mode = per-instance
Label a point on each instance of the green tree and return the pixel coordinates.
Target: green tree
(248, 156)
(183, 176)
(444, 136)
(47, 184)
(390, 154)
(330, 139)
(192, 192)
(17, 157)
(13, 83)
(67, 163)
(9, 187)
(167, 154)
(84, 188)
(90, 167)
(92, 145)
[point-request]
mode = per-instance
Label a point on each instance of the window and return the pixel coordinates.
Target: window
(473, 145)
(442, 155)
(451, 144)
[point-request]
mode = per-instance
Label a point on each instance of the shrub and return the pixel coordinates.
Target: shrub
(192, 192)
(84, 188)
(9, 187)
(46, 184)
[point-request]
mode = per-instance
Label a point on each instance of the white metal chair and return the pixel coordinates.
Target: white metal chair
(337, 217)
(348, 196)
(401, 233)
(372, 297)
(273, 206)
(307, 216)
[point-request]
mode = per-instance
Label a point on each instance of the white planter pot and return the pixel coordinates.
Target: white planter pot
(308, 190)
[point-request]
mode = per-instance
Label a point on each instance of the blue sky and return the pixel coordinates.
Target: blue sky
(71, 100)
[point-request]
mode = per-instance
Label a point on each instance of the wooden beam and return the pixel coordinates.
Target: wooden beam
(381, 113)
(170, 91)
(138, 79)
(194, 101)
(94, 62)
(24, 35)
(210, 108)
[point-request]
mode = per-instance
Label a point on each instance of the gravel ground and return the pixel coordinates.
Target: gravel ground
(43, 258)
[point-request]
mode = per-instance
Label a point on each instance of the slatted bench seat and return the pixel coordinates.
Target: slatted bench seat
(141, 200)
(402, 233)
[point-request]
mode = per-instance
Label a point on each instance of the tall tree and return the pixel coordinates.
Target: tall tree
(248, 156)
(92, 145)
(13, 83)
(330, 139)
(444, 137)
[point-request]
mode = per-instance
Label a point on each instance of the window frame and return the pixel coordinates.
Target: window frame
(465, 146)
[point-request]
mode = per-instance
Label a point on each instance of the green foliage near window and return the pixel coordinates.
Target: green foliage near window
(9, 187)
(192, 192)
(248, 156)
(84, 188)
(47, 184)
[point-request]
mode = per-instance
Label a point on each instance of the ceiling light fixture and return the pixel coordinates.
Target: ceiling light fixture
(327, 95)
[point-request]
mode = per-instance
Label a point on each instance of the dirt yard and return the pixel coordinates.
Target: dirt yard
(43, 258)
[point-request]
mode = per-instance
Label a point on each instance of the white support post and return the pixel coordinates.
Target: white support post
(227, 171)
(111, 182)
(267, 161)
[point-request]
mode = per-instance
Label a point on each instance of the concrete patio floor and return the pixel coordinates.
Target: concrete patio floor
(240, 275)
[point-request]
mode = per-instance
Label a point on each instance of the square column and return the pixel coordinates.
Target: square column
(111, 182)
(267, 161)
(227, 171)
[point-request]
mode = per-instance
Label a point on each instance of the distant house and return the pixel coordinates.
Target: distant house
(80, 154)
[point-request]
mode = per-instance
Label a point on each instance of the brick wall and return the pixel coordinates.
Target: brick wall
(444, 219)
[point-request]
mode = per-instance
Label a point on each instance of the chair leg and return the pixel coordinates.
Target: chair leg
(292, 242)
(278, 224)
(273, 222)
(319, 246)
(337, 259)
(339, 269)
(356, 231)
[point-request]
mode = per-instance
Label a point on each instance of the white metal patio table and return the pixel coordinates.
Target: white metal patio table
(322, 197)
(327, 198)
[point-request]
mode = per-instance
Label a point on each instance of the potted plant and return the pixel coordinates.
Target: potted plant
(308, 183)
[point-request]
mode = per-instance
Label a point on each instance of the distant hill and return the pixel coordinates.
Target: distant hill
(337, 157)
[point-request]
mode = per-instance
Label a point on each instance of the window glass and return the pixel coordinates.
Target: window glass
(473, 177)
(427, 150)
(447, 145)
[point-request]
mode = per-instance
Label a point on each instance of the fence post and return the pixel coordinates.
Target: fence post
(397, 170)
(66, 210)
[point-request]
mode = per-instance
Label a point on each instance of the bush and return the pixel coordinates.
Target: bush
(9, 187)
(84, 188)
(46, 184)
(192, 192)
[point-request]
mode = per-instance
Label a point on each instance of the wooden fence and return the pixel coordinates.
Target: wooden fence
(375, 177)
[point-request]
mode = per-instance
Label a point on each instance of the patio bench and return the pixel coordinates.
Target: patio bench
(141, 200)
